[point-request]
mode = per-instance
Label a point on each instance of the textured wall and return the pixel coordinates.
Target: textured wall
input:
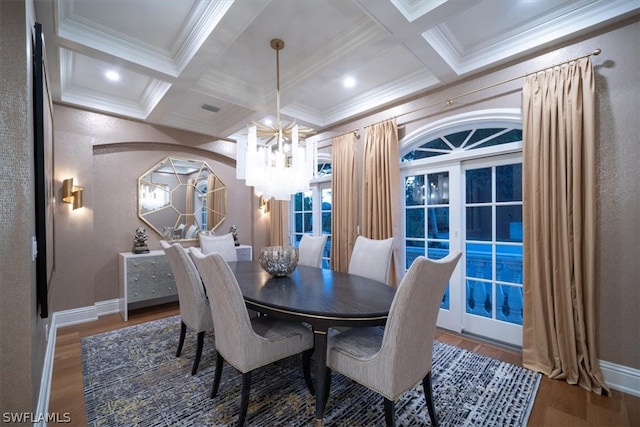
(21, 330)
(618, 124)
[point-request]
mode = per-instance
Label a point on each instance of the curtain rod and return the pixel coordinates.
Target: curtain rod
(450, 100)
(355, 132)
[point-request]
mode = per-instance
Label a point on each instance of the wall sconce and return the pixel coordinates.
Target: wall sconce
(71, 193)
(264, 204)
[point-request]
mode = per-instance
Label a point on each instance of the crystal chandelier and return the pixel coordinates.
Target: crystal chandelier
(272, 160)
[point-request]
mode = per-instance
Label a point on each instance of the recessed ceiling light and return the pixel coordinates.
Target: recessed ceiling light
(268, 122)
(114, 76)
(349, 82)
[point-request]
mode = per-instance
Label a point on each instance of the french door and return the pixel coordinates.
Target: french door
(493, 248)
(473, 206)
(432, 229)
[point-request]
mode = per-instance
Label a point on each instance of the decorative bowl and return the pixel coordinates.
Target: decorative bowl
(279, 260)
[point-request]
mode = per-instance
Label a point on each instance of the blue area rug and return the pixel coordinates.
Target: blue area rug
(132, 378)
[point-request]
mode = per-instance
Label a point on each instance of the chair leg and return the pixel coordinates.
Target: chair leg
(428, 394)
(196, 362)
(183, 333)
(306, 369)
(244, 400)
(218, 375)
(389, 413)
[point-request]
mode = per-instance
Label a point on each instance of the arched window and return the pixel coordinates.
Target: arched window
(464, 136)
(469, 139)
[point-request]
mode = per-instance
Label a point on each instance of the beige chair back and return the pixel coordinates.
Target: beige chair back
(194, 306)
(392, 360)
(230, 316)
(244, 343)
(310, 250)
(407, 345)
(371, 258)
(222, 244)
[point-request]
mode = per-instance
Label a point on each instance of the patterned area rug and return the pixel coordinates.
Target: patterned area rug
(132, 378)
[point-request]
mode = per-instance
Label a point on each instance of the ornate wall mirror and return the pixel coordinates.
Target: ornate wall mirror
(178, 198)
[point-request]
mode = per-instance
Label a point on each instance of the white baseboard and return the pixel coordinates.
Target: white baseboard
(86, 314)
(47, 372)
(111, 306)
(620, 377)
(58, 320)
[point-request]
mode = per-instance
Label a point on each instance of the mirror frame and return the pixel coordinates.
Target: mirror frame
(159, 198)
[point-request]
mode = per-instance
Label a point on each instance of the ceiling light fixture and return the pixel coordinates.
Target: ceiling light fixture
(112, 75)
(349, 82)
(271, 159)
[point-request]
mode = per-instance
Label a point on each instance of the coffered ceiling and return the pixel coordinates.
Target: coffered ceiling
(174, 56)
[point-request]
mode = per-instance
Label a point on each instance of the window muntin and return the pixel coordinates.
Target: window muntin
(466, 140)
(324, 168)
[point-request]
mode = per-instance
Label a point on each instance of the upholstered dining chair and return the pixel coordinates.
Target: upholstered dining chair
(223, 244)
(371, 258)
(247, 343)
(310, 250)
(195, 312)
(393, 359)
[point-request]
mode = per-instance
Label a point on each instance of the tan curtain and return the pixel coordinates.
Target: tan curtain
(189, 203)
(559, 328)
(344, 212)
(216, 201)
(380, 187)
(211, 201)
(279, 223)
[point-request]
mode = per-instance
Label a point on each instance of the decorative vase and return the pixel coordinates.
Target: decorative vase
(279, 260)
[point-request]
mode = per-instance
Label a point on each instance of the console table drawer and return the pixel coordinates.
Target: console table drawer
(149, 270)
(148, 286)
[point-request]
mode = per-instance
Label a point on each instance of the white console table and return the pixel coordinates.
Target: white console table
(244, 253)
(147, 279)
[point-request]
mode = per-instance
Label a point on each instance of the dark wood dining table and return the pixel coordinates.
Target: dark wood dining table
(322, 298)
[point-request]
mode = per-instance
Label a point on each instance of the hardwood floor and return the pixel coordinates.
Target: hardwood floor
(557, 404)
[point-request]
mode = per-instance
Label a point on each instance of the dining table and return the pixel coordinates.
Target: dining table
(322, 298)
